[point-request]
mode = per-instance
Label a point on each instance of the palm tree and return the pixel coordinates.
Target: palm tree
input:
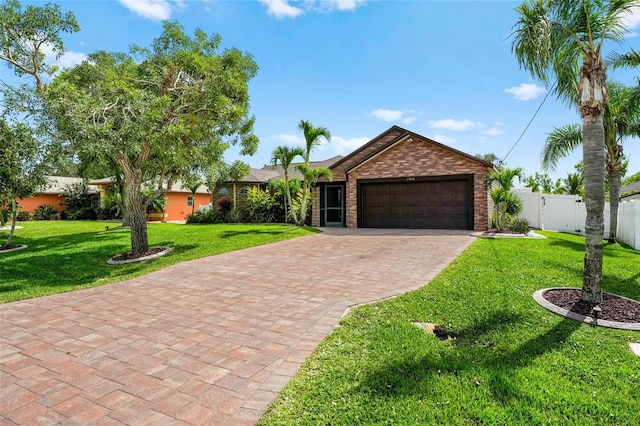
(504, 201)
(192, 185)
(572, 184)
(562, 40)
(621, 119)
(284, 156)
(313, 138)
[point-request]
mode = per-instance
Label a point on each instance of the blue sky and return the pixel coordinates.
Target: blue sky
(443, 69)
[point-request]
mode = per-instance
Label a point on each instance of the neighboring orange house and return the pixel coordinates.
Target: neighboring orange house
(52, 194)
(180, 201)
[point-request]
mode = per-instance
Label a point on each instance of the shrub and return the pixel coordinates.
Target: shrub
(83, 213)
(78, 199)
(260, 205)
(112, 205)
(235, 216)
(44, 212)
(206, 216)
(23, 216)
(225, 206)
(519, 225)
(4, 213)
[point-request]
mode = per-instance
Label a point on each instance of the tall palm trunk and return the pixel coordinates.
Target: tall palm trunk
(614, 195)
(614, 172)
(593, 96)
(288, 207)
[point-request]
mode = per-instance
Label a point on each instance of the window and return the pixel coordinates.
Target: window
(190, 201)
(223, 191)
(244, 189)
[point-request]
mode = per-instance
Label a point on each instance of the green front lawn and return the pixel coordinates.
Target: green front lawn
(67, 255)
(509, 362)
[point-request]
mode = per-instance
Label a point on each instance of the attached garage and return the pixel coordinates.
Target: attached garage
(424, 203)
(401, 179)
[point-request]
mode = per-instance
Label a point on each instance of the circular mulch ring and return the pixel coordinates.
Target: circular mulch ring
(616, 311)
(152, 253)
(13, 248)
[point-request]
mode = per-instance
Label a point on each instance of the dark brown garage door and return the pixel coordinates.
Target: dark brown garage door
(442, 204)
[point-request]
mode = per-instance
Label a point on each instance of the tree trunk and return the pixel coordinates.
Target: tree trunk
(593, 154)
(136, 212)
(614, 195)
(14, 217)
(126, 221)
(303, 204)
(593, 97)
(288, 207)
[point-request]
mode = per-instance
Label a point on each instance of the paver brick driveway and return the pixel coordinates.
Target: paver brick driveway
(209, 341)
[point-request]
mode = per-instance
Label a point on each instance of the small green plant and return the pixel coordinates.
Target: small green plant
(235, 216)
(225, 206)
(519, 226)
(207, 215)
(23, 216)
(260, 205)
(44, 212)
(78, 199)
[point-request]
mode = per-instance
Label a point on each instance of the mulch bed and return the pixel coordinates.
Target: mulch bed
(130, 256)
(614, 308)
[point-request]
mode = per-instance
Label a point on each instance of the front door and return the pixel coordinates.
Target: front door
(334, 205)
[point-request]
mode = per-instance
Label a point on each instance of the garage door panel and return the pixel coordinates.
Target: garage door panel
(425, 204)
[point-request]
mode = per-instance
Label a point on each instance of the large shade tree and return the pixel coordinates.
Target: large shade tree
(621, 120)
(26, 146)
(158, 111)
(562, 41)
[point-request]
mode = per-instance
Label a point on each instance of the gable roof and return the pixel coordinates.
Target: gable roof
(56, 184)
(402, 134)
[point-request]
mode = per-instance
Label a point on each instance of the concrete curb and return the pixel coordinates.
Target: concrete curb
(166, 250)
(18, 247)
(537, 296)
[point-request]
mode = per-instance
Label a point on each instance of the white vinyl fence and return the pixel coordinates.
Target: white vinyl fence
(567, 213)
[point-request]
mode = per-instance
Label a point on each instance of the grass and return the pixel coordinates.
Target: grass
(511, 361)
(68, 255)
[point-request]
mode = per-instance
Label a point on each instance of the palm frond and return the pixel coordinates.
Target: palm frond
(630, 59)
(560, 142)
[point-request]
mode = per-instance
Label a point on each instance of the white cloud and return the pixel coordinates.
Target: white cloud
(343, 145)
(631, 21)
(284, 9)
(444, 139)
(387, 114)
(281, 9)
(456, 125)
(407, 116)
(526, 91)
(283, 137)
(156, 10)
(494, 130)
(67, 60)
(341, 4)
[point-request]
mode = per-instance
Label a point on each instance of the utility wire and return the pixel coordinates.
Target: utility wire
(529, 124)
